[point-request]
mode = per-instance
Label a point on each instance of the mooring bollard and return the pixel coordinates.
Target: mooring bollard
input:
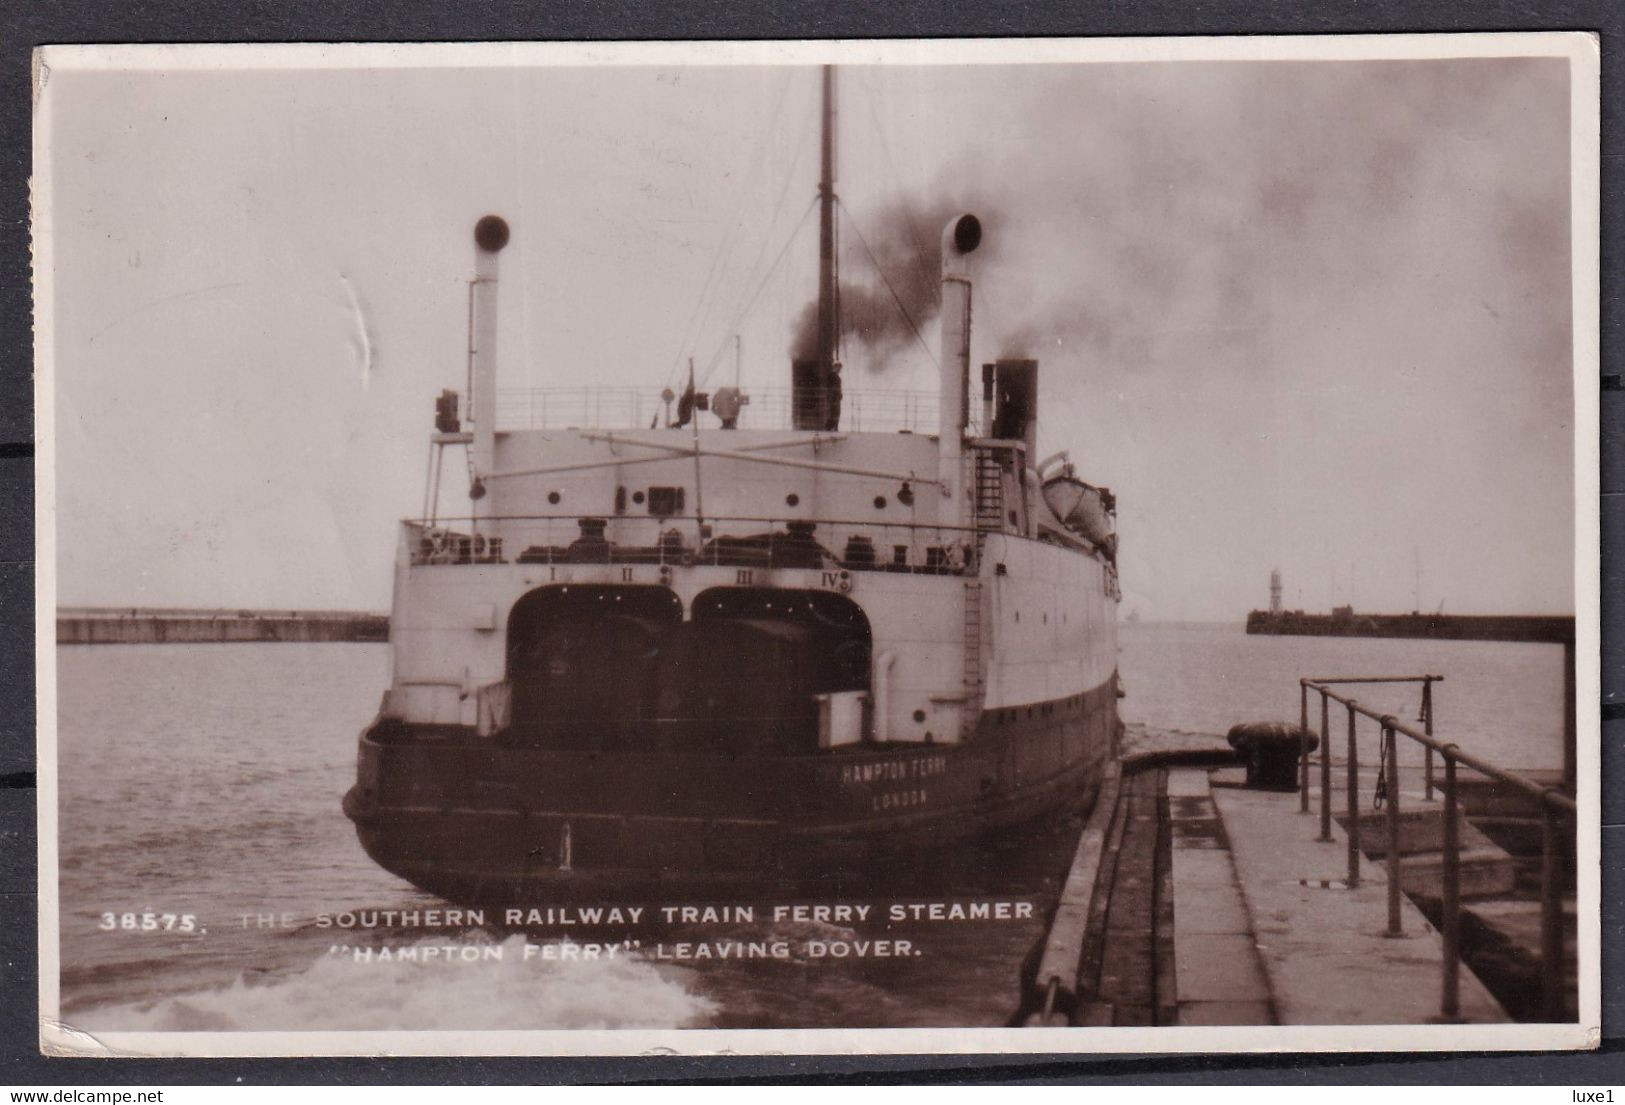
(1273, 752)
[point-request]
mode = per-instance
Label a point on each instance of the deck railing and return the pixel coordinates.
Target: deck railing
(1554, 805)
(686, 540)
(766, 409)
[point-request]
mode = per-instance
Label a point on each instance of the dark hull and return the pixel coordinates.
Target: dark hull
(472, 821)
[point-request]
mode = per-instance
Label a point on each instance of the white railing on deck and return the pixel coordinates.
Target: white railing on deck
(768, 409)
(686, 540)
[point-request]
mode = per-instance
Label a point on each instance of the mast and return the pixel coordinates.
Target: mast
(828, 287)
(814, 374)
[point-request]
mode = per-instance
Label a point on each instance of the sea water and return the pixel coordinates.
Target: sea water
(202, 843)
(1502, 701)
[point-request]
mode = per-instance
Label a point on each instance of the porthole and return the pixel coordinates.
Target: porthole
(880, 502)
(792, 499)
(553, 497)
(919, 715)
(637, 497)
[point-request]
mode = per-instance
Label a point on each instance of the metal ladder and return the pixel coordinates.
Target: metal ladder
(989, 485)
(988, 513)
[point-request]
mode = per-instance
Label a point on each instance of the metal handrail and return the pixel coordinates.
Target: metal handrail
(1553, 804)
(1427, 682)
(1329, 679)
(708, 519)
(862, 409)
(954, 545)
(478, 522)
(1535, 790)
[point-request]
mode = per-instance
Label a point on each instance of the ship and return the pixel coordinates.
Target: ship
(705, 660)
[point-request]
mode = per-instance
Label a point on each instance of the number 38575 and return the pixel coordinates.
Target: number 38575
(148, 922)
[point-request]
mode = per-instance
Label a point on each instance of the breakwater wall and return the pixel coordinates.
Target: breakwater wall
(1549, 629)
(138, 626)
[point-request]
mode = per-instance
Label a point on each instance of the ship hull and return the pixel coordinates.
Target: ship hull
(473, 821)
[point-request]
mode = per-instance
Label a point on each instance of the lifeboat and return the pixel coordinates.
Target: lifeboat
(1086, 510)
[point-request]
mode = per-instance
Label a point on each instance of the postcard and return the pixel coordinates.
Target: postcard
(818, 547)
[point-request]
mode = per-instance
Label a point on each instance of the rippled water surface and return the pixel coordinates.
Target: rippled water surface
(1501, 700)
(205, 780)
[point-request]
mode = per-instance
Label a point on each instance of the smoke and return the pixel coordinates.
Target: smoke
(1247, 276)
(891, 261)
(1207, 216)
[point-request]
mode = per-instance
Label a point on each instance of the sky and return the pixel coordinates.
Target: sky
(1306, 315)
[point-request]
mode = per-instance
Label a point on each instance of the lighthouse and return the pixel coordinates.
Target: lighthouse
(1275, 591)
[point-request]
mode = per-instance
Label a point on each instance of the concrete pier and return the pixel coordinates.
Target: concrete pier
(1323, 945)
(1218, 973)
(1252, 917)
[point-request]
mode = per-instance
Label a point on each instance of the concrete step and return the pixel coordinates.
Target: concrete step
(1420, 830)
(1486, 868)
(1504, 936)
(1485, 873)
(1481, 796)
(1522, 836)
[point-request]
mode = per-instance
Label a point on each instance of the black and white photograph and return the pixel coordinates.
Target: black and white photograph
(916, 546)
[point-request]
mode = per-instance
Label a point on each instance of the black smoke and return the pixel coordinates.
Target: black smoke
(891, 285)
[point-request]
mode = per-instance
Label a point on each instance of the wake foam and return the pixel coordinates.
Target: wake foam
(337, 992)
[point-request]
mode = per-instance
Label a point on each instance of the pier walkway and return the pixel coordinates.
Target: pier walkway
(1323, 945)
(1196, 900)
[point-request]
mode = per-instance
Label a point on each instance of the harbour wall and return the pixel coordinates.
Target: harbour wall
(1550, 629)
(138, 626)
